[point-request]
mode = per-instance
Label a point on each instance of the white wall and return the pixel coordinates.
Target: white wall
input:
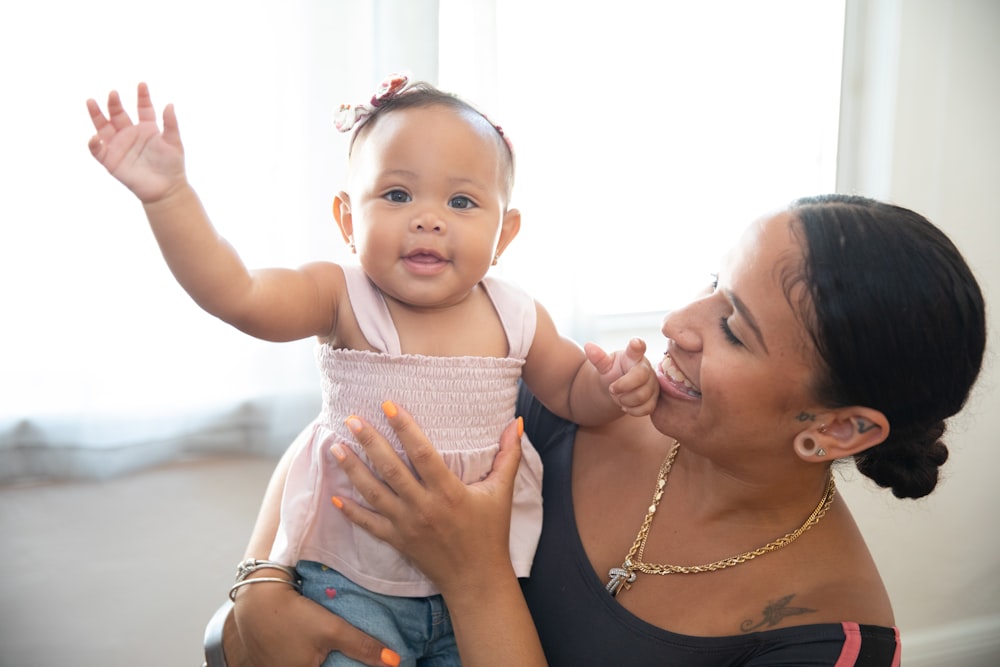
(922, 129)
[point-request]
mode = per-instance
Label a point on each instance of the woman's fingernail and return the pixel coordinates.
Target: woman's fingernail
(354, 424)
(390, 658)
(520, 426)
(389, 408)
(337, 502)
(338, 451)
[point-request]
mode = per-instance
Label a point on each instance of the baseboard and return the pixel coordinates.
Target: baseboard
(973, 642)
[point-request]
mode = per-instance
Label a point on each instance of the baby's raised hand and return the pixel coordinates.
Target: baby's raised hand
(628, 375)
(148, 162)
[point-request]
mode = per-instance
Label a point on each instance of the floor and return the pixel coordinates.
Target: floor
(123, 572)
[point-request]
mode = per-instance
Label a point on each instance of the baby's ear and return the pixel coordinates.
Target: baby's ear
(342, 214)
(842, 433)
(509, 228)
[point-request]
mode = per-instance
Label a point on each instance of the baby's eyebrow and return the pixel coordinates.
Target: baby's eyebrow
(464, 180)
(405, 173)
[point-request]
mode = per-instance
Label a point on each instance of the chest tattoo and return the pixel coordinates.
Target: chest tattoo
(774, 613)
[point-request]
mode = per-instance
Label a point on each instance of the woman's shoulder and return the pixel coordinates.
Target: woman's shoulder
(830, 577)
(827, 575)
(846, 581)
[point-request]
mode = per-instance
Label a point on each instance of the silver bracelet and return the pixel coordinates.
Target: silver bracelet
(259, 580)
(251, 565)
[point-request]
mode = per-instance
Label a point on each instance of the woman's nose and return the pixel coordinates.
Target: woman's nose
(681, 326)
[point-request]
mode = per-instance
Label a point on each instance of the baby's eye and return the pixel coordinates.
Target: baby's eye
(461, 201)
(715, 281)
(397, 196)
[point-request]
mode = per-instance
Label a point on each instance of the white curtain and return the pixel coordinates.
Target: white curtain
(646, 133)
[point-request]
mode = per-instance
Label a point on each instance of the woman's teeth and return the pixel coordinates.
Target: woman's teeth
(674, 373)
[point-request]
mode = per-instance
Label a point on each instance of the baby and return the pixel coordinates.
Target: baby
(418, 320)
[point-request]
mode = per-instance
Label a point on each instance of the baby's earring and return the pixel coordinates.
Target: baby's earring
(350, 242)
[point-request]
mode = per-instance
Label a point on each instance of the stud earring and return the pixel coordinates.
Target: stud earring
(496, 258)
(820, 451)
(350, 243)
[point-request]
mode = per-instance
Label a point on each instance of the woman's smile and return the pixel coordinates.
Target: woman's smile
(673, 381)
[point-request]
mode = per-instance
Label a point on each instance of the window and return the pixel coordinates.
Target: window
(647, 135)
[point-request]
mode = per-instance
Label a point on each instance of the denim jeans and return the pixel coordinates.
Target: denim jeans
(418, 629)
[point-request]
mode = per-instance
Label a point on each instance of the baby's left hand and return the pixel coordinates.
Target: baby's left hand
(628, 375)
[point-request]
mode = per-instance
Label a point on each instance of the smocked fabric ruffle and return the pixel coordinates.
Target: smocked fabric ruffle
(464, 402)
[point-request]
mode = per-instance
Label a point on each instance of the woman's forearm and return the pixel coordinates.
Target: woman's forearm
(493, 625)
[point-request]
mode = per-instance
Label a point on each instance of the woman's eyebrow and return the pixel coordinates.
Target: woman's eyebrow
(744, 312)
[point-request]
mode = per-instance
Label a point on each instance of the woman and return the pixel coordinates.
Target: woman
(841, 328)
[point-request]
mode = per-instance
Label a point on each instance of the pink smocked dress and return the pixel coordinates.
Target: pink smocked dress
(461, 403)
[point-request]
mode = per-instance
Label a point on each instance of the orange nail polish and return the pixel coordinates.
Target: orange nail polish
(337, 502)
(520, 426)
(338, 451)
(390, 658)
(390, 410)
(354, 423)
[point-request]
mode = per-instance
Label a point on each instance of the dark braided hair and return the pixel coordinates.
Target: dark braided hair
(899, 322)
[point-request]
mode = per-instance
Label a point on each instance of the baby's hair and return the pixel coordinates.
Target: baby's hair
(421, 95)
(899, 323)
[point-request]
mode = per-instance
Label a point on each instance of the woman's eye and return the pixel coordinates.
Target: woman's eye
(397, 196)
(461, 201)
(728, 333)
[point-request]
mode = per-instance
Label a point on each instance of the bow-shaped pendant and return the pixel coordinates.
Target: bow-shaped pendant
(619, 577)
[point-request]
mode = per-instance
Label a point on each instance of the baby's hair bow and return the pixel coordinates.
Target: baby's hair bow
(352, 116)
(349, 116)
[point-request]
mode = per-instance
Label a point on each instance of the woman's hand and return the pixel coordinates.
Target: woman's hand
(453, 532)
(272, 624)
(457, 534)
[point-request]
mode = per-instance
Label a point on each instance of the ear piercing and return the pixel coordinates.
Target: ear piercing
(819, 450)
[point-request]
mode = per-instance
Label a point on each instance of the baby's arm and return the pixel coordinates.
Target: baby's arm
(274, 304)
(590, 387)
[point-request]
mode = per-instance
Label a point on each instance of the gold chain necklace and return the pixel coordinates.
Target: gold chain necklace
(622, 577)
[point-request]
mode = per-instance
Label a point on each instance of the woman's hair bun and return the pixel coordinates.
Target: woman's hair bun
(907, 463)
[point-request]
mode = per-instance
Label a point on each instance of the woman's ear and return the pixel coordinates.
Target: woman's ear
(841, 433)
(342, 214)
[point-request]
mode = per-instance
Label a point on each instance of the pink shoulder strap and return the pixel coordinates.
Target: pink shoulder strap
(371, 312)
